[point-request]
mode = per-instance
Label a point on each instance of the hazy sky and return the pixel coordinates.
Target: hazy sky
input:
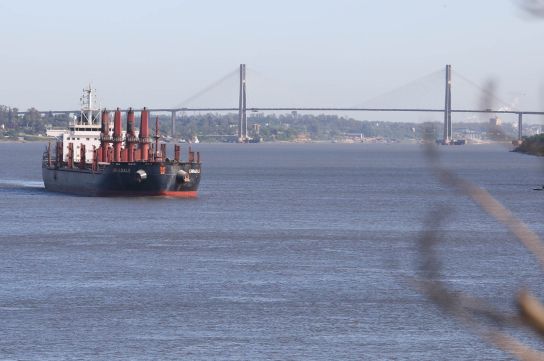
(308, 53)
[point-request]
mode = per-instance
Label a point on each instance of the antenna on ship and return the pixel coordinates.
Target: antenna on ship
(89, 106)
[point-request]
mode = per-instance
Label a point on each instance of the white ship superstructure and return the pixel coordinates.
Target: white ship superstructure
(85, 129)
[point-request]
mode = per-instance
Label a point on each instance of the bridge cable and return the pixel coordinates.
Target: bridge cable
(484, 91)
(208, 88)
(419, 82)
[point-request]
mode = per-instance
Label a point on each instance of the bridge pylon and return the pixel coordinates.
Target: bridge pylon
(242, 118)
(447, 108)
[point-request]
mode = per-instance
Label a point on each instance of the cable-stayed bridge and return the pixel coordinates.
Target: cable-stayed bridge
(426, 85)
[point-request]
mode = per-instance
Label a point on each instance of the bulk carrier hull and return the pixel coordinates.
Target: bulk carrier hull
(125, 179)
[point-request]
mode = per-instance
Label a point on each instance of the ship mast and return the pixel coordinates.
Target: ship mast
(89, 107)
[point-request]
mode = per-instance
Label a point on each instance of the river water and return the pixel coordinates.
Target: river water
(291, 252)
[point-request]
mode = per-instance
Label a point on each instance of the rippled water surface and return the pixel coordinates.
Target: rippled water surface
(291, 252)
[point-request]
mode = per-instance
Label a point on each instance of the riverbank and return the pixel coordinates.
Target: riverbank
(25, 138)
(533, 145)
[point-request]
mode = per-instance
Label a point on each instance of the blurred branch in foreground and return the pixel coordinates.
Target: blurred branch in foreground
(532, 7)
(477, 315)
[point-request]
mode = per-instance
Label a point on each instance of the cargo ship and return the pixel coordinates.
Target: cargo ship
(93, 158)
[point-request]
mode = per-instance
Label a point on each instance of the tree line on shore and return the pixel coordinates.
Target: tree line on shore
(31, 123)
(532, 145)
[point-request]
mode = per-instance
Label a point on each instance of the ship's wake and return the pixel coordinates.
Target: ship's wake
(20, 185)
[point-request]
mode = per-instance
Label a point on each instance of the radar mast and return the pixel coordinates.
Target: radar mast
(89, 107)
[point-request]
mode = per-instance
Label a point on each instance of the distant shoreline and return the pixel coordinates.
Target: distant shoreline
(34, 139)
(279, 142)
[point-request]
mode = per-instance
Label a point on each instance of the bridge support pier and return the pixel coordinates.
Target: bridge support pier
(520, 126)
(173, 123)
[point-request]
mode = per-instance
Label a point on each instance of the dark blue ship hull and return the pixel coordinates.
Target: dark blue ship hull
(176, 179)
